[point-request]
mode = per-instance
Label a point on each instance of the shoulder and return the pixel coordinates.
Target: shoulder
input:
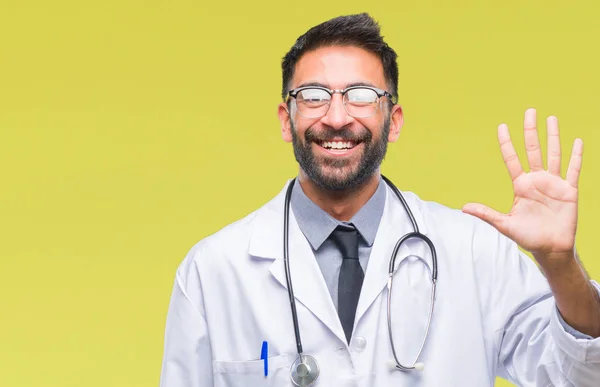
(437, 215)
(454, 226)
(233, 240)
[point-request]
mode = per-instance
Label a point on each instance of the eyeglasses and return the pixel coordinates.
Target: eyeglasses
(358, 101)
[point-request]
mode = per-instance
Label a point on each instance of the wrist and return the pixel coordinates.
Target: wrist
(575, 296)
(557, 263)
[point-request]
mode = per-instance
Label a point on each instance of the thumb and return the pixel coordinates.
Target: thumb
(494, 218)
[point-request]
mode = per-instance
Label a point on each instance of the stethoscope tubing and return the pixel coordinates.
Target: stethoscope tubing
(415, 234)
(286, 226)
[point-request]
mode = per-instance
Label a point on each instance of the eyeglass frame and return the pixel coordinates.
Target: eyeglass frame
(380, 93)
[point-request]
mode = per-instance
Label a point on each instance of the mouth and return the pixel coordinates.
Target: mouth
(338, 148)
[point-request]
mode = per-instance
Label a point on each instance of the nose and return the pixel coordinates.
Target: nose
(336, 117)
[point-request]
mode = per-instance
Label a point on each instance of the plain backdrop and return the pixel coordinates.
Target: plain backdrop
(129, 130)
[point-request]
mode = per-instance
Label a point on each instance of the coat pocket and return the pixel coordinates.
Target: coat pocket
(251, 372)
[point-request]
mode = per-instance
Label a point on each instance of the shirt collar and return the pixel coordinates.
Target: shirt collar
(317, 225)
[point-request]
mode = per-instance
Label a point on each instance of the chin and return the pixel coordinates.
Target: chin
(338, 179)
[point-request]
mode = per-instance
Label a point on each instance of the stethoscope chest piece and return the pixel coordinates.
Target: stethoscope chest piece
(304, 371)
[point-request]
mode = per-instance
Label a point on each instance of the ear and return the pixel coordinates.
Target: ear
(396, 122)
(285, 120)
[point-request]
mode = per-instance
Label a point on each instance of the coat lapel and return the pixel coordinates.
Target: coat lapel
(310, 290)
(309, 287)
(394, 224)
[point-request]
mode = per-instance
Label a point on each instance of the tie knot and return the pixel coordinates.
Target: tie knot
(346, 239)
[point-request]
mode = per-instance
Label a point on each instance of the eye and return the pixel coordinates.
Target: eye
(361, 96)
(313, 96)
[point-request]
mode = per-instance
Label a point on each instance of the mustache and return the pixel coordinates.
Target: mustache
(345, 134)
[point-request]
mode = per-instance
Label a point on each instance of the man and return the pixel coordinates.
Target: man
(230, 321)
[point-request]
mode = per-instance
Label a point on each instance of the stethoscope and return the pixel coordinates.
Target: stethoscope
(305, 369)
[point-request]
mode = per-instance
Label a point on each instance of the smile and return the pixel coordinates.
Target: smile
(338, 148)
(338, 145)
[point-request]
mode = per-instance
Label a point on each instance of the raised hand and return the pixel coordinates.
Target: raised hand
(543, 218)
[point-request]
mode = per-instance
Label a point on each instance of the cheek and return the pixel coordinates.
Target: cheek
(302, 125)
(374, 126)
(298, 134)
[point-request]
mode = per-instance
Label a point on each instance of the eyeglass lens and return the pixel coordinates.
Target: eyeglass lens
(358, 102)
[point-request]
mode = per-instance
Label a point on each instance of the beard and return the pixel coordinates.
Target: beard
(337, 174)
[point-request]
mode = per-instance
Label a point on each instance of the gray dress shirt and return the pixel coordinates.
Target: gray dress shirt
(317, 225)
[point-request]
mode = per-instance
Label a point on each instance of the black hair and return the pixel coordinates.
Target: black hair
(359, 30)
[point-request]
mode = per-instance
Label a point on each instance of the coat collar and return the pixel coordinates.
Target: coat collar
(310, 289)
(317, 225)
(266, 240)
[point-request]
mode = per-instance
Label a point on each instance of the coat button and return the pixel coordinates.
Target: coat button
(359, 344)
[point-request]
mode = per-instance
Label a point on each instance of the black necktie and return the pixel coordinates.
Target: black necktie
(351, 276)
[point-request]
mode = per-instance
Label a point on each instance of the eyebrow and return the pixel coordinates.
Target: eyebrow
(326, 86)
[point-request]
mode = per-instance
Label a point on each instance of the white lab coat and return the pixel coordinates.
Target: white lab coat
(494, 313)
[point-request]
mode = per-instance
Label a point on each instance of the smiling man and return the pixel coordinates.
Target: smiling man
(339, 145)
(300, 293)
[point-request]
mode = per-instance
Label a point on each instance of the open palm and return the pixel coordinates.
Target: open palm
(543, 218)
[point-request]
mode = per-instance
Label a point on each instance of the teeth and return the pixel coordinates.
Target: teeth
(337, 145)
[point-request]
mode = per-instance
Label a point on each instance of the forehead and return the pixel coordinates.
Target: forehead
(339, 66)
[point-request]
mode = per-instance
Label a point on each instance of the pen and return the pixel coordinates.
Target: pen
(264, 355)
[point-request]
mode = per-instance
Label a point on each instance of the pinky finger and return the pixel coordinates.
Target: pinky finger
(575, 163)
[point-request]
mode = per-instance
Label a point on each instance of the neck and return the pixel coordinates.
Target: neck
(341, 205)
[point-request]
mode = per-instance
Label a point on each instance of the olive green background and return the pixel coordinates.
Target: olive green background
(130, 129)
